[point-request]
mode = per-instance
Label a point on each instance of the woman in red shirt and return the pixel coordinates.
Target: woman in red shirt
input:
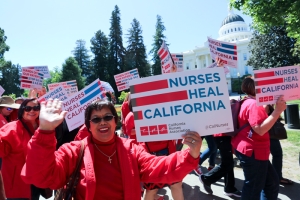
(14, 138)
(252, 146)
(112, 167)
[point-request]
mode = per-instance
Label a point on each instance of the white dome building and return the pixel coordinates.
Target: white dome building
(233, 29)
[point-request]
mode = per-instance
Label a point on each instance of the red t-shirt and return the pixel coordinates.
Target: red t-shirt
(247, 143)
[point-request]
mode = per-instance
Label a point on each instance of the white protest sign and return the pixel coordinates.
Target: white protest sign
(32, 73)
(31, 78)
(226, 51)
(43, 69)
(271, 83)
(69, 86)
(122, 80)
(178, 60)
(168, 105)
(78, 102)
(1, 90)
(226, 70)
(58, 93)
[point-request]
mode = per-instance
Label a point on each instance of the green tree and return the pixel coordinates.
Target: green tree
(266, 14)
(55, 76)
(10, 79)
(3, 47)
(136, 51)
(71, 71)
(157, 42)
(99, 64)
(117, 50)
(271, 49)
(82, 57)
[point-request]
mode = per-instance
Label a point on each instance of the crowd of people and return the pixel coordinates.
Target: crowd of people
(39, 154)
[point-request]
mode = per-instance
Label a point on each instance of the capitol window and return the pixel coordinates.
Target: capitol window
(231, 30)
(234, 29)
(239, 29)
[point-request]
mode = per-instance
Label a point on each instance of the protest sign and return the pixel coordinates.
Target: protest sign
(166, 106)
(1, 90)
(226, 51)
(122, 80)
(78, 102)
(31, 78)
(271, 83)
(106, 86)
(226, 70)
(42, 69)
(178, 61)
(69, 86)
(167, 64)
(58, 93)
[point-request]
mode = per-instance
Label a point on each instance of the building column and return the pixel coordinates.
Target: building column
(198, 62)
(206, 59)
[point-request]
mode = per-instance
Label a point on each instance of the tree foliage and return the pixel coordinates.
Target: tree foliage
(82, 57)
(136, 56)
(3, 46)
(157, 42)
(10, 79)
(272, 49)
(116, 51)
(270, 13)
(71, 71)
(99, 64)
(55, 76)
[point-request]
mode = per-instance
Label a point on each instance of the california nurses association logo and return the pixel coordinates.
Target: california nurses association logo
(266, 98)
(154, 129)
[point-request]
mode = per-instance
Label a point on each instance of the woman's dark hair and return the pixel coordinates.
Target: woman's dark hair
(248, 86)
(99, 105)
(23, 104)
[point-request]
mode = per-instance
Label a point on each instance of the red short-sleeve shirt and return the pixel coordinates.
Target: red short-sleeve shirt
(247, 143)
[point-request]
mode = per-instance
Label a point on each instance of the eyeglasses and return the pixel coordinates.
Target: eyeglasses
(106, 118)
(29, 108)
(9, 109)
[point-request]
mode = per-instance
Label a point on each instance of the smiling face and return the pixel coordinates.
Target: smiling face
(31, 115)
(104, 130)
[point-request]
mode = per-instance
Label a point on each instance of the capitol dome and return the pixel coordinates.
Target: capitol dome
(232, 18)
(233, 28)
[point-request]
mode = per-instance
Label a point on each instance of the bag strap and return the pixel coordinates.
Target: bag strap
(75, 176)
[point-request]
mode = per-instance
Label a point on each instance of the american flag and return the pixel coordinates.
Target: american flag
(166, 58)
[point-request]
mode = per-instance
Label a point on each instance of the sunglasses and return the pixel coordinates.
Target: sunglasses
(9, 109)
(106, 118)
(29, 108)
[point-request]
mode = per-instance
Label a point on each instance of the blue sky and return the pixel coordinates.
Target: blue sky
(44, 32)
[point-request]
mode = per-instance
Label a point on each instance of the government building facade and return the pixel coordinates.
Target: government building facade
(234, 30)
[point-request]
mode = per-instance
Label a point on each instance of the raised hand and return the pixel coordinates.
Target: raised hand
(194, 141)
(51, 114)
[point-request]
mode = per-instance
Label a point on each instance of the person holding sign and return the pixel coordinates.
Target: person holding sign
(252, 146)
(112, 167)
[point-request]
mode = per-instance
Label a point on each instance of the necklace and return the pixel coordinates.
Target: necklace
(109, 157)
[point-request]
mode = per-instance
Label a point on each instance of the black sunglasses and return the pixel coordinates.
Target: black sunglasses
(9, 109)
(106, 118)
(29, 108)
